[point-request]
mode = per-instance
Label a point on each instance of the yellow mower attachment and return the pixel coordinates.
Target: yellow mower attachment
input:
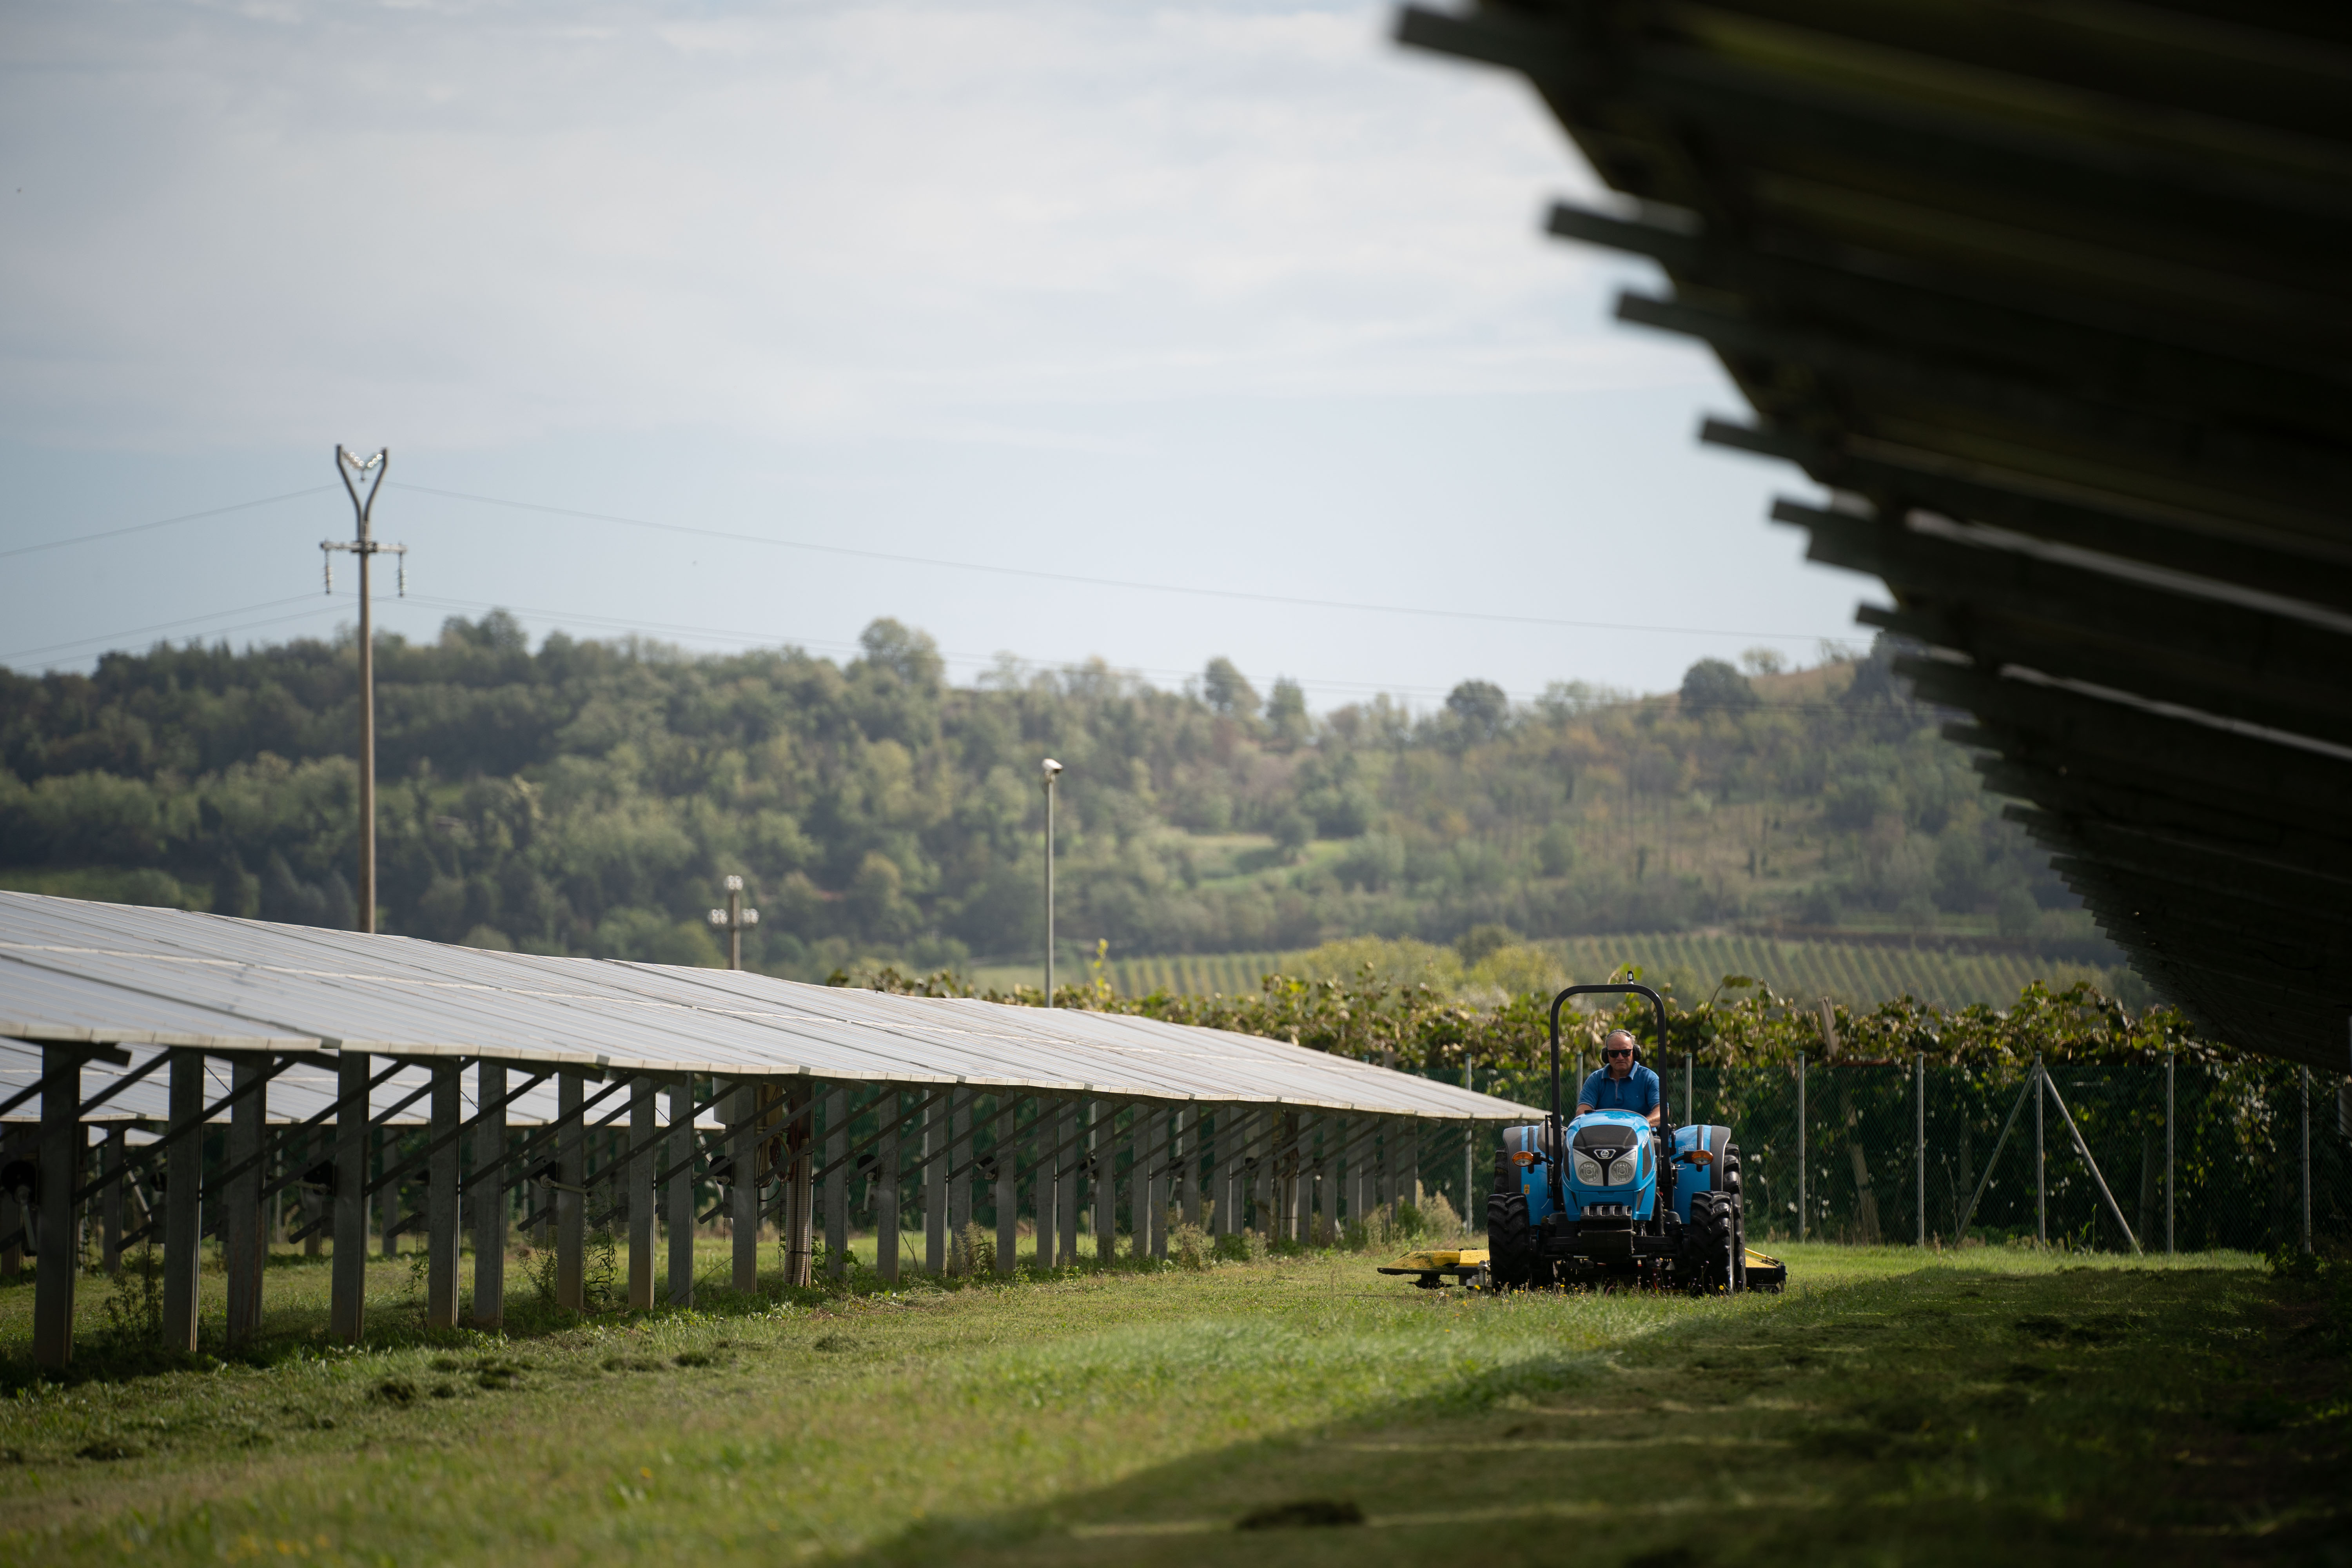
(1764, 1272)
(1432, 1267)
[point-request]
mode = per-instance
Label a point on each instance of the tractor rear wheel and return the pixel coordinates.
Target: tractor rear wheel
(1511, 1245)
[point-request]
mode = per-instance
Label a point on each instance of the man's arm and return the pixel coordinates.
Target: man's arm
(1657, 1097)
(1584, 1108)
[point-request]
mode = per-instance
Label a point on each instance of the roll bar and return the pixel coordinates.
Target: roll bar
(1559, 1127)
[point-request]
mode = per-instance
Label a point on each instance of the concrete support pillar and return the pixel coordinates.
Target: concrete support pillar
(571, 1198)
(1335, 1139)
(644, 1129)
(799, 1173)
(743, 1192)
(886, 1195)
(1233, 1164)
(58, 1162)
(679, 1157)
(489, 1198)
(1152, 1152)
(441, 1171)
(836, 1185)
(241, 1214)
(109, 1201)
(1102, 1179)
(1045, 1136)
(183, 1179)
(1070, 1157)
(1185, 1156)
(1008, 1187)
(387, 1148)
(935, 1187)
(960, 1177)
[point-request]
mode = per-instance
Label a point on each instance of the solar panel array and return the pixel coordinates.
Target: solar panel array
(148, 979)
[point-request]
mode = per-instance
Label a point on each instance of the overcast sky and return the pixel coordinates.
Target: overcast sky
(1234, 295)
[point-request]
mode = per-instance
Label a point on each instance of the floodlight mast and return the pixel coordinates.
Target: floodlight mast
(1053, 773)
(363, 544)
(732, 920)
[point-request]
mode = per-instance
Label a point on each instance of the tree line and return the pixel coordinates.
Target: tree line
(586, 797)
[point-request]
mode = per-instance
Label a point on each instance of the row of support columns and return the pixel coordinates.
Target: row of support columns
(794, 1137)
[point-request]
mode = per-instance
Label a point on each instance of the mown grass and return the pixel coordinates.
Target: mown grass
(2000, 1407)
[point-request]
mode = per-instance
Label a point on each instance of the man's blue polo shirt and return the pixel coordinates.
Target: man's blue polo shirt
(1637, 1091)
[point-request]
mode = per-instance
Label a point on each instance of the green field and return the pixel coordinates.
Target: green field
(1852, 973)
(1994, 1406)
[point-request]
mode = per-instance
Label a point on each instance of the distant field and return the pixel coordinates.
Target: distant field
(1850, 972)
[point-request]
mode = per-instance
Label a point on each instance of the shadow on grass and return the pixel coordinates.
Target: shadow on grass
(1949, 1415)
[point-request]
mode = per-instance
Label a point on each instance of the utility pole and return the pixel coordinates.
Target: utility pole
(1053, 773)
(732, 920)
(363, 544)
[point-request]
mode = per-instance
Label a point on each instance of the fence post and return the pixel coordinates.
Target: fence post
(1801, 1145)
(2168, 1153)
(2040, 1186)
(2306, 1159)
(1689, 1059)
(1919, 1174)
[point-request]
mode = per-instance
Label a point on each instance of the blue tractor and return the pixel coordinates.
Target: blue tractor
(1603, 1197)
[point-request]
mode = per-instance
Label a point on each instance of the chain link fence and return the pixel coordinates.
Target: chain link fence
(2180, 1156)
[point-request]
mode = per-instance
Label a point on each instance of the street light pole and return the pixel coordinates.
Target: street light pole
(1052, 773)
(732, 920)
(363, 544)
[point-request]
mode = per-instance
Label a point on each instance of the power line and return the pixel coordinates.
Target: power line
(162, 522)
(169, 625)
(1292, 601)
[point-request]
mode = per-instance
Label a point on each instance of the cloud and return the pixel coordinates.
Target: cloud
(485, 223)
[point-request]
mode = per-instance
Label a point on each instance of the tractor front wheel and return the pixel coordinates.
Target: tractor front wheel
(1510, 1244)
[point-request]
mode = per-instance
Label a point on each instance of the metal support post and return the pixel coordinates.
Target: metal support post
(570, 1197)
(2041, 1184)
(836, 1185)
(1800, 1146)
(350, 468)
(681, 1193)
(644, 1141)
(54, 1249)
(441, 1201)
(241, 1236)
(490, 1198)
(184, 1181)
(1919, 1172)
(886, 1193)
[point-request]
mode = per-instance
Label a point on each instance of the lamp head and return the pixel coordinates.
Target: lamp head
(734, 884)
(719, 917)
(1052, 769)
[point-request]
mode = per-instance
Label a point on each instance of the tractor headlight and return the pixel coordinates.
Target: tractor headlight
(1589, 1172)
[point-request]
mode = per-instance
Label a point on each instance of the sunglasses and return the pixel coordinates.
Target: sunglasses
(1620, 1051)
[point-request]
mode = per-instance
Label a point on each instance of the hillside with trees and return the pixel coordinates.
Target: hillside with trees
(587, 797)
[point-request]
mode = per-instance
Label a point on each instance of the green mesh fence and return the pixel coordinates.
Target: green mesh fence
(2215, 1159)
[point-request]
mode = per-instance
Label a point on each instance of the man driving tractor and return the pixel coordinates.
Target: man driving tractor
(1623, 1083)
